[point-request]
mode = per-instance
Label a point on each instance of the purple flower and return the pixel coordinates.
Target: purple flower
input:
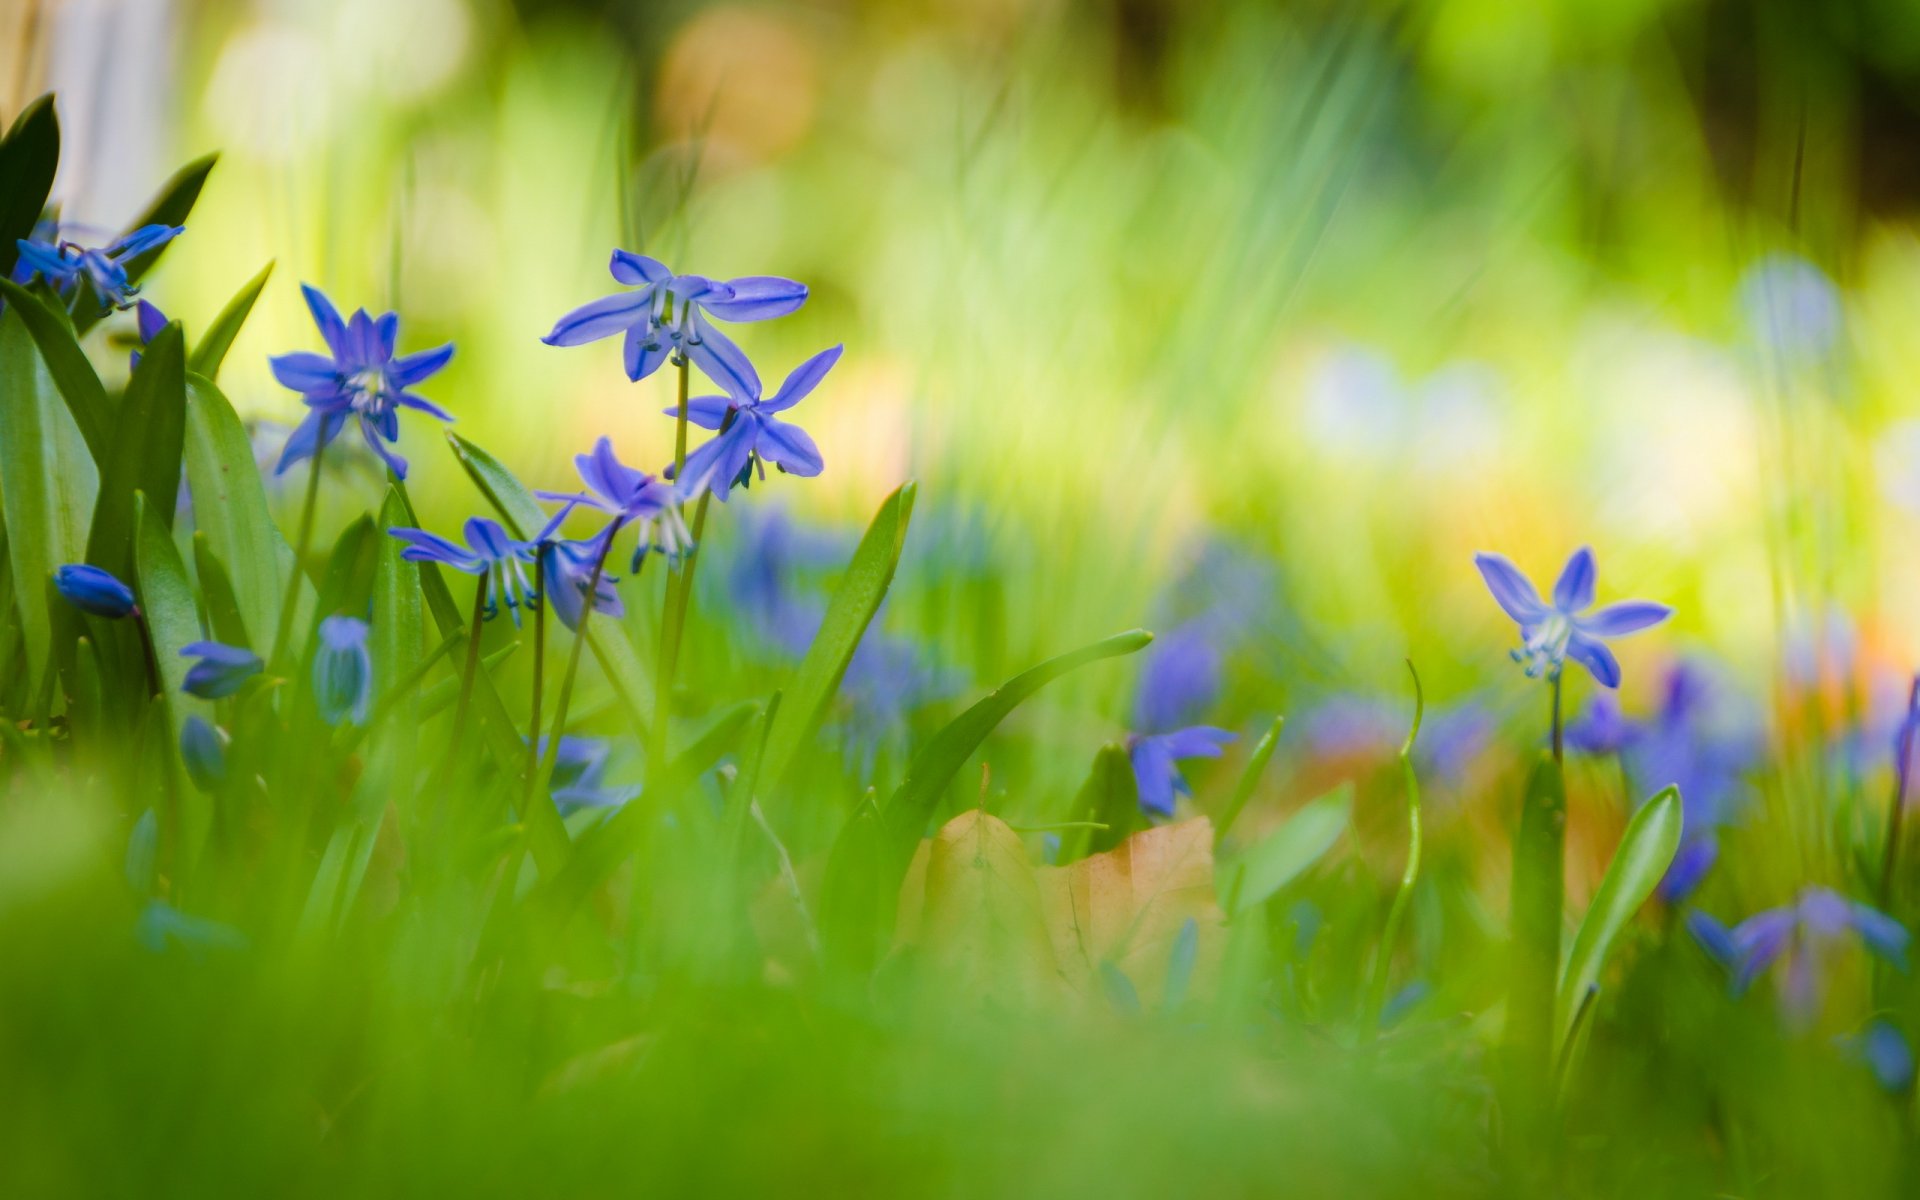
(750, 433)
(1552, 633)
(668, 314)
(1155, 773)
(221, 671)
(567, 574)
(647, 502)
(489, 552)
(1803, 933)
(362, 379)
(1181, 679)
(64, 264)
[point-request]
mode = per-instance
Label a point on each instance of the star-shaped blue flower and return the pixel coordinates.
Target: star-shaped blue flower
(64, 264)
(489, 552)
(668, 313)
(1552, 633)
(749, 431)
(568, 572)
(362, 380)
(633, 497)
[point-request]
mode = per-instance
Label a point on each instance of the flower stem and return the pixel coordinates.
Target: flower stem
(472, 669)
(547, 760)
(1896, 816)
(672, 602)
(1411, 875)
(302, 542)
(539, 667)
(1557, 757)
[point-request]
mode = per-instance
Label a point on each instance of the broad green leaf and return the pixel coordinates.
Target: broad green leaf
(1537, 898)
(521, 513)
(1109, 797)
(29, 156)
(1251, 877)
(546, 834)
(1250, 777)
(145, 456)
(79, 385)
(166, 597)
(216, 591)
(347, 586)
(1646, 851)
(849, 613)
(47, 484)
(171, 206)
(912, 805)
(230, 508)
(214, 344)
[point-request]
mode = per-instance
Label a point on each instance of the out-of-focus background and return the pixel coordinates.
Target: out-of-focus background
(1134, 287)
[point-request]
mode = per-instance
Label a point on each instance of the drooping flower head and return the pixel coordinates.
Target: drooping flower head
(1156, 774)
(668, 314)
(64, 264)
(343, 671)
(148, 323)
(1806, 934)
(359, 379)
(579, 776)
(568, 573)
(647, 502)
(750, 433)
(93, 590)
(1551, 633)
(221, 671)
(489, 551)
(203, 748)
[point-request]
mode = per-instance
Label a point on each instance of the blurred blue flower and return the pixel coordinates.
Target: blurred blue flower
(221, 671)
(1155, 773)
(489, 552)
(567, 573)
(1883, 1048)
(1553, 633)
(668, 313)
(579, 771)
(1601, 728)
(647, 502)
(362, 379)
(1804, 933)
(1179, 681)
(748, 432)
(64, 264)
(343, 671)
(1791, 307)
(92, 590)
(161, 925)
(203, 748)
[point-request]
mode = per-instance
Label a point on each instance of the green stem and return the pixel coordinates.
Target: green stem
(1411, 875)
(302, 542)
(472, 669)
(1896, 816)
(673, 627)
(1556, 716)
(539, 667)
(559, 728)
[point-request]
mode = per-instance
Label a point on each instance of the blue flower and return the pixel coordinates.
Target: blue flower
(1805, 933)
(579, 770)
(362, 379)
(1553, 633)
(668, 313)
(221, 671)
(343, 671)
(568, 573)
(64, 264)
(489, 552)
(749, 431)
(149, 321)
(1155, 774)
(92, 590)
(1791, 307)
(1602, 728)
(1181, 679)
(647, 502)
(1884, 1050)
(203, 748)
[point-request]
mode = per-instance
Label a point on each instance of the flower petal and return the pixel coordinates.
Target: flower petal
(371, 433)
(790, 447)
(410, 369)
(319, 427)
(1758, 941)
(602, 318)
(1199, 741)
(725, 363)
(1573, 591)
(645, 352)
(708, 412)
(305, 372)
(415, 400)
(1882, 934)
(1153, 775)
(1628, 616)
(1512, 591)
(1593, 654)
(757, 298)
(634, 270)
(488, 539)
(431, 547)
(327, 318)
(802, 381)
(386, 328)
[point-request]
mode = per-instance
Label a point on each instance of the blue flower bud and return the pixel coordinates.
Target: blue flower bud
(93, 590)
(221, 669)
(204, 750)
(343, 671)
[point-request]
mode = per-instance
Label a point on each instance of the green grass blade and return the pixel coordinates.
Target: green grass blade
(1538, 895)
(854, 602)
(1249, 778)
(48, 483)
(1250, 878)
(913, 802)
(218, 339)
(148, 435)
(1646, 851)
(79, 385)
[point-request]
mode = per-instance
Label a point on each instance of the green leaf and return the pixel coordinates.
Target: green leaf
(1646, 851)
(29, 156)
(913, 802)
(216, 591)
(230, 508)
(347, 586)
(521, 513)
(854, 602)
(145, 457)
(47, 483)
(1109, 797)
(86, 397)
(1251, 877)
(1539, 851)
(1250, 777)
(171, 206)
(167, 600)
(214, 344)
